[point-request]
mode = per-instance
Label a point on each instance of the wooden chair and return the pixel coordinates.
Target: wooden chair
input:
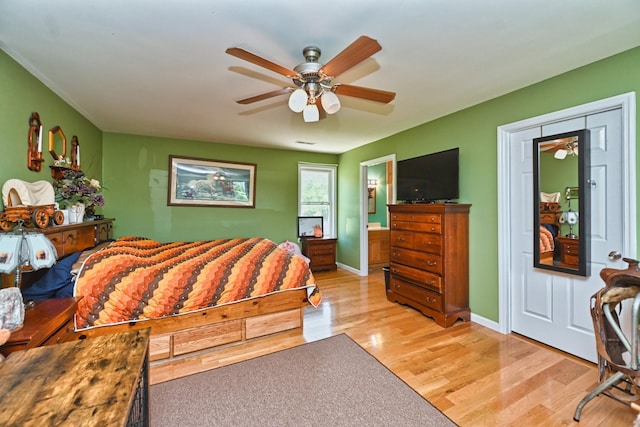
(618, 372)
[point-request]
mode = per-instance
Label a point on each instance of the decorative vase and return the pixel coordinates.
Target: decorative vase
(66, 214)
(76, 213)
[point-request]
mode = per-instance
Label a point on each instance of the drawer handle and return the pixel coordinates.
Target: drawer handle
(431, 300)
(400, 239)
(433, 229)
(397, 286)
(432, 263)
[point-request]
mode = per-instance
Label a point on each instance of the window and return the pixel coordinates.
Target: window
(317, 194)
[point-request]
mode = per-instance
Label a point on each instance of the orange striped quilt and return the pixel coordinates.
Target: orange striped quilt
(135, 278)
(547, 242)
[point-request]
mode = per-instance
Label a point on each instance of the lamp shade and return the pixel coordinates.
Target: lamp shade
(572, 217)
(9, 252)
(298, 100)
(330, 102)
(311, 113)
(42, 253)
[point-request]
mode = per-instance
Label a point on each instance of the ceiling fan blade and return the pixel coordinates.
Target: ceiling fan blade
(375, 95)
(551, 147)
(255, 59)
(264, 96)
(352, 55)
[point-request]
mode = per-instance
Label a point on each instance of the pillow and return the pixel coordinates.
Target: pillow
(292, 247)
(56, 283)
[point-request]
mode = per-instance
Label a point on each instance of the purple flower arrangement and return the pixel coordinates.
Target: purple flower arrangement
(75, 187)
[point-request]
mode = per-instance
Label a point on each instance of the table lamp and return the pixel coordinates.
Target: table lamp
(20, 249)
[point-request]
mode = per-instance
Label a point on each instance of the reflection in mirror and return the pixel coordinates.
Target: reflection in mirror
(561, 199)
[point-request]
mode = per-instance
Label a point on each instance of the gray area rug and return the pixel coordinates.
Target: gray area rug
(331, 382)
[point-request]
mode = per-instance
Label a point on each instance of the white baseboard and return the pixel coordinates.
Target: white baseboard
(485, 322)
(349, 268)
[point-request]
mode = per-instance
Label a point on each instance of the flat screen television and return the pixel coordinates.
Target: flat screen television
(428, 179)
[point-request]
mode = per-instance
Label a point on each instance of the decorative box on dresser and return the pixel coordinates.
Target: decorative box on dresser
(321, 253)
(429, 257)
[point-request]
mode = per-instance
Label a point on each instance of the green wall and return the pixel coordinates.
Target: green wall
(135, 175)
(21, 94)
(474, 130)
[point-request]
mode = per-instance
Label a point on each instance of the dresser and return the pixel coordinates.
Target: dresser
(76, 237)
(429, 260)
(102, 381)
(321, 252)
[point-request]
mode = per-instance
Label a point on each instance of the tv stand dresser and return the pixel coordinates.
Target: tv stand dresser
(429, 256)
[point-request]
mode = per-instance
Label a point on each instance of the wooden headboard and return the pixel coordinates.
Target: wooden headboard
(550, 214)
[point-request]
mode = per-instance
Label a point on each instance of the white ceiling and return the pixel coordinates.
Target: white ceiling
(158, 67)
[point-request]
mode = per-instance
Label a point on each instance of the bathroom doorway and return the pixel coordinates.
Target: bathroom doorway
(377, 190)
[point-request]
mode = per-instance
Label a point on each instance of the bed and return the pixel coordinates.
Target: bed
(195, 296)
(549, 228)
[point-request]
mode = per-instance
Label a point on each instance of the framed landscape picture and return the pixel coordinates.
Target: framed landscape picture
(203, 182)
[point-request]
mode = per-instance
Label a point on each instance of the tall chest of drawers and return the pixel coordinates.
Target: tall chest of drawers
(429, 257)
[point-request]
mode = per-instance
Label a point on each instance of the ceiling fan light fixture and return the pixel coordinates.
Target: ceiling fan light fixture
(330, 102)
(298, 100)
(311, 113)
(560, 154)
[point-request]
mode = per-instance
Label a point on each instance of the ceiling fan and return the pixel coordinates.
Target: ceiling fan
(561, 147)
(312, 81)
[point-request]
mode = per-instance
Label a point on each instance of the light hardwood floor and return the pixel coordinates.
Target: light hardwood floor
(476, 376)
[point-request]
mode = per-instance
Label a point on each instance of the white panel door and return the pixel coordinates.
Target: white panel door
(552, 307)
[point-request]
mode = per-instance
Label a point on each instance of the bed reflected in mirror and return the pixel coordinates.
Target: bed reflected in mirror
(561, 201)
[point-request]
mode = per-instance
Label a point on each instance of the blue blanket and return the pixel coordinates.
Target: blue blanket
(56, 283)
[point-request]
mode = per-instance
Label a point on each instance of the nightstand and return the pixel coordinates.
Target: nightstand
(569, 254)
(49, 322)
(321, 253)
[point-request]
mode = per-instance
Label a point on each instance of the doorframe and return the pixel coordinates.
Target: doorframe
(364, 206)
(626, 102)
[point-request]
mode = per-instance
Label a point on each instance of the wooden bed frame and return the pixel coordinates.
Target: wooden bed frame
(177, 337)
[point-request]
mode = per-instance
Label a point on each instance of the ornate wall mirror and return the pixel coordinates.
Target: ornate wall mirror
(561, 202)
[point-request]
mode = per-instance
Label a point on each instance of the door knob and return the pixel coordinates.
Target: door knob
(615, 255)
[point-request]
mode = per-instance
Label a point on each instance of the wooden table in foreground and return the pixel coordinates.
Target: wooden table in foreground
(101, 381)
